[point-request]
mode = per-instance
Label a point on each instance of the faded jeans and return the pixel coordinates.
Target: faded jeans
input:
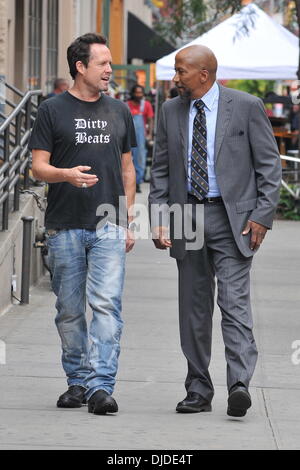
(89, 265)
(139, 153)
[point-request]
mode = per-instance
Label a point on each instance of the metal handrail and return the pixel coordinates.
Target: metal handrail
(14, 89)
(19, 108)
(290, 159)
(294, 194)
(14, 136)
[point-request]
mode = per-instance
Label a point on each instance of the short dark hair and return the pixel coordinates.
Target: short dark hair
(134, 88)
(59, 81)
(80, 50)
(173, 92)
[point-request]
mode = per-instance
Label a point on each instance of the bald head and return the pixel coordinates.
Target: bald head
(195, 71)
(199, 56)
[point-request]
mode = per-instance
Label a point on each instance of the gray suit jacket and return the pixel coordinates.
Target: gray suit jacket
(247, 163)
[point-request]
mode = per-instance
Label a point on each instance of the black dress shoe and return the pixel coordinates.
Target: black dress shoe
(101, 403)
(138, 189)
(239, 400)
(72, 398)
(193, 403)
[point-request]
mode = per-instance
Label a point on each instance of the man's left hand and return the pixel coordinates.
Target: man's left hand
(130, 240)
(258, 233)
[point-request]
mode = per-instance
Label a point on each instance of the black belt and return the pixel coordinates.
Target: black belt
(206, 200)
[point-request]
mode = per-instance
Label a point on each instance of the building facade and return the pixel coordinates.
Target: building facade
(135, 47)
(34, 36)
(112, 21)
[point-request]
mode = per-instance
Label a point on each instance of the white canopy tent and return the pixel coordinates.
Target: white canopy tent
(267, 51)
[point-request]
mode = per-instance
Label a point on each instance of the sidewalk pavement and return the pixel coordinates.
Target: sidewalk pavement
(152, 368)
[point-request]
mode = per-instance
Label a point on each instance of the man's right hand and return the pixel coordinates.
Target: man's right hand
(160, 238)
(77, 177)
(44, 171)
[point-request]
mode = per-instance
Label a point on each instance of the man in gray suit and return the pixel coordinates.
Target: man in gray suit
(214, 148)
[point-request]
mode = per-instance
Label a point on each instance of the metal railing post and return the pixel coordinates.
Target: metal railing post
(28, 114)
(17, 143)
(5, 207)
(26, 174)
(26, 258)
(27, 126)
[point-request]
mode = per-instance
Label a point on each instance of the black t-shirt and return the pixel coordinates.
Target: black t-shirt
(93, 134)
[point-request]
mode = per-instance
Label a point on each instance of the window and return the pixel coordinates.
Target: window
(34, 44)
(52, 43)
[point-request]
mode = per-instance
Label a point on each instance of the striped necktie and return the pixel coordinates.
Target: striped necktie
(199, 175)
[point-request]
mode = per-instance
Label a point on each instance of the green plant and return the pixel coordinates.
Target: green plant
(288, 206)
(255, 87)
(177, 18)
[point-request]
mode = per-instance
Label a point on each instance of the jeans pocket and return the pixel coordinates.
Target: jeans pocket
(111, 224)
(51, 233)
(116, 231)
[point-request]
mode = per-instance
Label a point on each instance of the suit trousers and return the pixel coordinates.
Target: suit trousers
(218, 259)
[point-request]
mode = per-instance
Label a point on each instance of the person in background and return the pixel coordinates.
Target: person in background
(59, 86)
(142, 113)
(173, 92)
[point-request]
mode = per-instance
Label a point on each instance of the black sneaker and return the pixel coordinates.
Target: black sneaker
(72, 398)
(101, 403)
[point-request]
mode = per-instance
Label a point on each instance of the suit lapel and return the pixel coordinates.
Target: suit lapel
(223, 118)
(183, 117)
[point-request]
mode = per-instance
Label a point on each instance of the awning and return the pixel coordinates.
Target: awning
(144, 43)
(269, 51)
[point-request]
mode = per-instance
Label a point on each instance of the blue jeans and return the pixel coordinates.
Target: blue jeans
(89, 265)
(139, 153)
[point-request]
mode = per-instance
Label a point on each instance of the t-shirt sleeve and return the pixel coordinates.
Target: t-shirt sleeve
(149, 110)
(129, 138)
(42, 133)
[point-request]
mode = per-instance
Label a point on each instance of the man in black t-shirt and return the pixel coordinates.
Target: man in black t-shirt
(81, 145)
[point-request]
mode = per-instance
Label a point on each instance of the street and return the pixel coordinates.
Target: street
(152, 368)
